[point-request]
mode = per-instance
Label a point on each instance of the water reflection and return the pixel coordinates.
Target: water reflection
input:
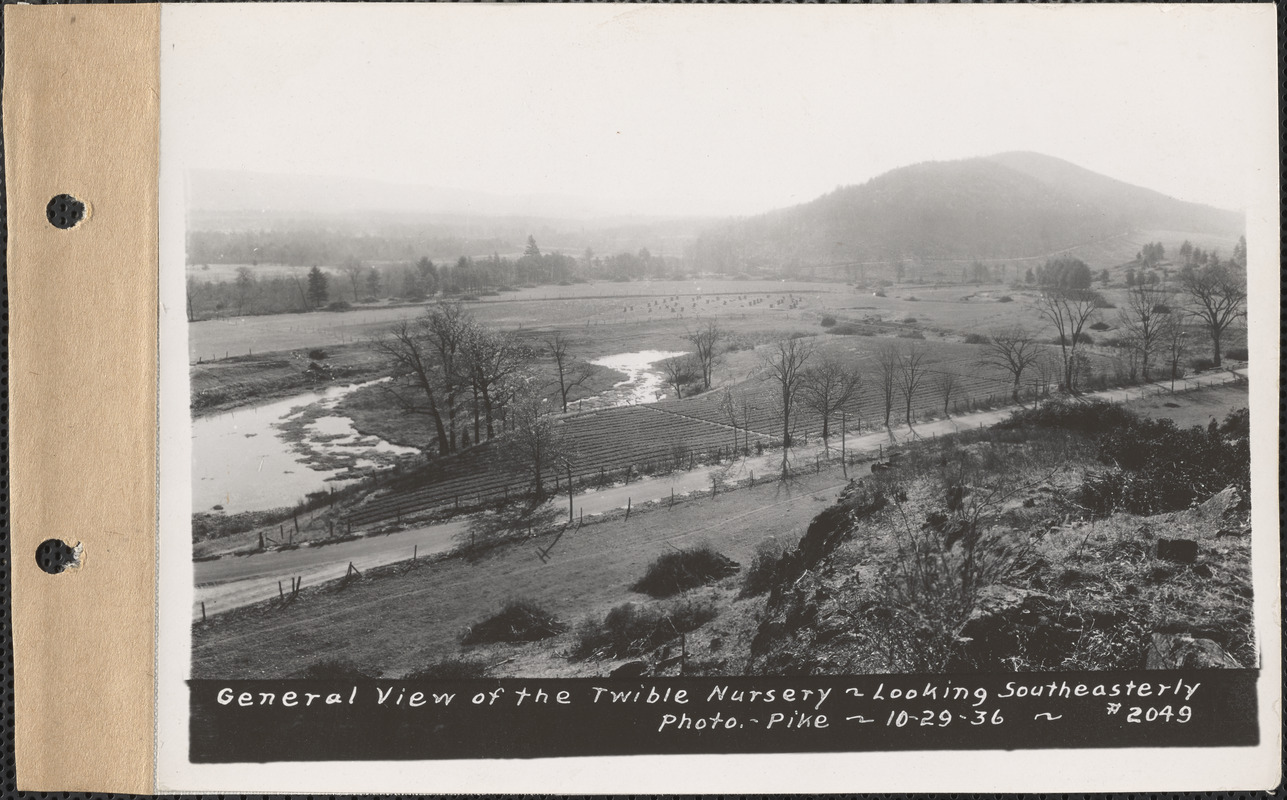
(242, 461)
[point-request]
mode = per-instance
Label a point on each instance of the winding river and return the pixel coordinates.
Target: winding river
(241, 460)
(244, 460)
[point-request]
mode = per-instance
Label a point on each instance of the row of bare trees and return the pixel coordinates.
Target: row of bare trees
(825, 385)
(1153, 321)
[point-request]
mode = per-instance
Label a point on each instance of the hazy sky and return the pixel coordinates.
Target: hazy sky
(714, 110)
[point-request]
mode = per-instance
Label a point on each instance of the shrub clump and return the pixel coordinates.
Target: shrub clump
(1091, 417)
(317, 355)
(1099, 326)
(1236, 354)
(977, 338)
(828, 321)
(759, 576)
(846, 329)
(680, 570)
(1201, 363)
(632, 629)
(1169, 467)
(517, 621)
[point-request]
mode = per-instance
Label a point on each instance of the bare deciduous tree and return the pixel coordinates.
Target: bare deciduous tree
(887, 372)
(706, 351)
(245, 284)
(1218, 293)
(911, 373)
(417, 377)
(492, 362)
(446, 327)
(784, 364)
(1069, 310)
(571, 372)
(1014, 350)
(827, 387)
(946, 383)
(534, 442)
(353, 269)
(1142, 321)
(680, 372)
(1175, 340)
(1048, 370)
(728, 404)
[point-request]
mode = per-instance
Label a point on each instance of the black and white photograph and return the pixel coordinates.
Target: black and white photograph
(629, 345)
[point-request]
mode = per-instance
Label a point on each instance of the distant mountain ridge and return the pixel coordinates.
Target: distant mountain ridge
(1010, 205)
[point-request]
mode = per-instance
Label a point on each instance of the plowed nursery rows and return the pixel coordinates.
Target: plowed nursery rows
(608, 440)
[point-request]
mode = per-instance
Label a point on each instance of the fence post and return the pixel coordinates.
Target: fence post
(261, 540)
(672, 497)
(203, 610)
(844, 461)
(415, 551)
(280, 591)
(627, 508)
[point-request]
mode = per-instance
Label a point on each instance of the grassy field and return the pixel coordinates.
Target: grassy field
(1193, 408)
(398, 621)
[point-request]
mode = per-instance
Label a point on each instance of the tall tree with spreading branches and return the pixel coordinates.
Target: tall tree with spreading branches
(784, 365)
(570, 372)
(911, 373)
(1218, 297)
(1014, 350)
(828, 387)
(887, 359)
(706, 350)
(534, 442)
(681, 371)
(1069, 310)
(1142, 320)
(417, 378)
